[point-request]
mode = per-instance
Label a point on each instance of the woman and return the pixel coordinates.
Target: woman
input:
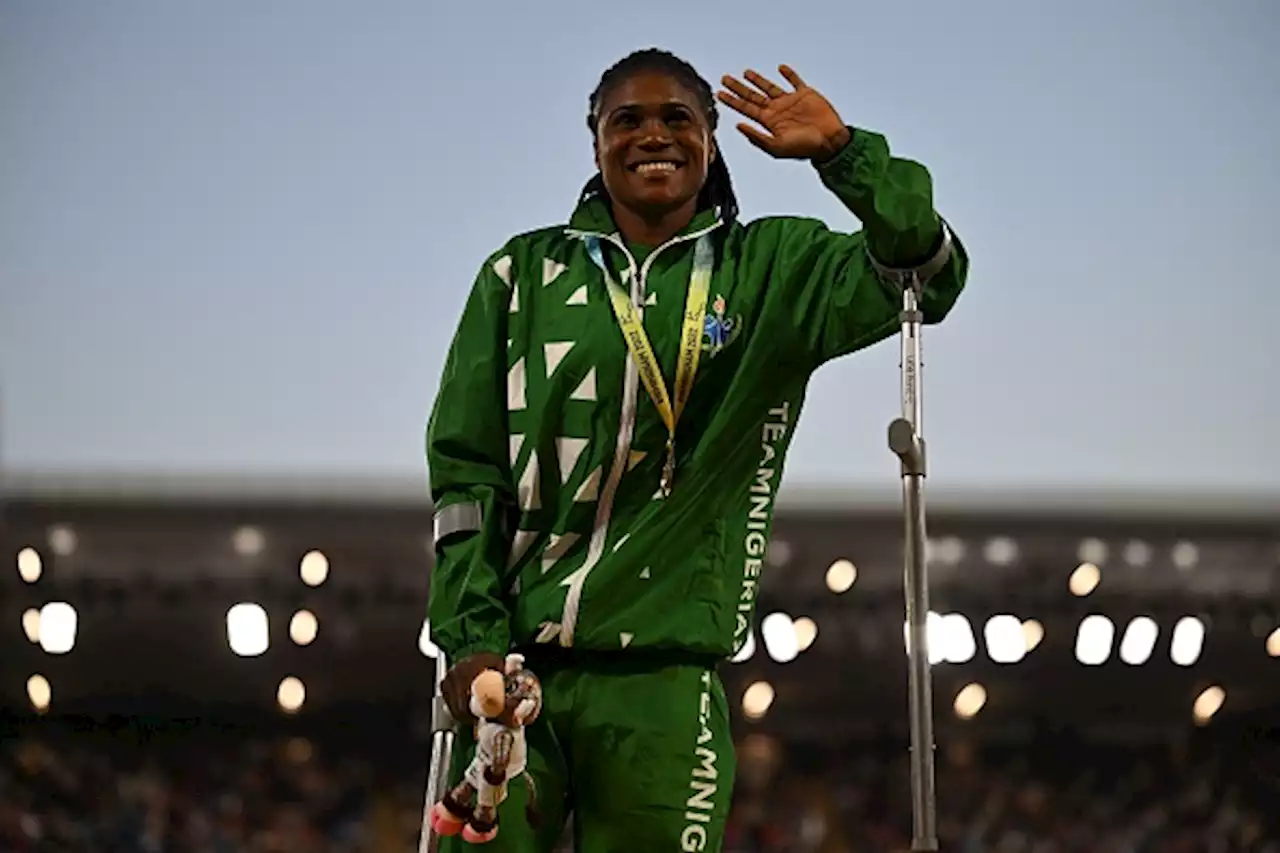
(610, 429)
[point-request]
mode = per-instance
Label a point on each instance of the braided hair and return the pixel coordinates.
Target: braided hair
(718, 190)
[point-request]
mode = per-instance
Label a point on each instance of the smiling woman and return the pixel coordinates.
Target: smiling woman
(616, 538)
(657, 180)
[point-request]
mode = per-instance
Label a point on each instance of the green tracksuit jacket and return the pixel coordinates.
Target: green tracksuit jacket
(545, 452)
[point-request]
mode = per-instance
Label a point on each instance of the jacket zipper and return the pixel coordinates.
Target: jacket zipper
(626, 432)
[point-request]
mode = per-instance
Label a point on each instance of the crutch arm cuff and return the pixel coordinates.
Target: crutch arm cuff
(921, 273)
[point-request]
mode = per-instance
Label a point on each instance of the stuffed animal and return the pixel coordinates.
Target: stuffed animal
(503, 703)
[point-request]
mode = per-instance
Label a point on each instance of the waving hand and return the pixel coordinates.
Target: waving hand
(796, 125)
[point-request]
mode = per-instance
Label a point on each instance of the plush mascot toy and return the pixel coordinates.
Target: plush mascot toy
(503, 703)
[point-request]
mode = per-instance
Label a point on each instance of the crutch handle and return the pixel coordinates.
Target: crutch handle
(908, 446)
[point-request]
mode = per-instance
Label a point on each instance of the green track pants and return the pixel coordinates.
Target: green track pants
(638, 751)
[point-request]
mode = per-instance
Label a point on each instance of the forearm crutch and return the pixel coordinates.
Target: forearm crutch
(907, 442)
(442, 740)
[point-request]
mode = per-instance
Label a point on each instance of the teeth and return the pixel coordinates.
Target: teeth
(656, 167)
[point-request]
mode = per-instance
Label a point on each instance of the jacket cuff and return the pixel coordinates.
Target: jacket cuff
(851, 162)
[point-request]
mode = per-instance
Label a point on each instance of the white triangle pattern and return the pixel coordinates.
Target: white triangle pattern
(530, 486)
(517, 442)
(551, 270)
(514, 306)
(644, 576)
(555, 353)
(557, 548)
(589, 490)
(586, 389)
(626, 638)
(569, 451)
(516, 386)
(652, 298)
(502, 269)
(520, 545)
(578, 297)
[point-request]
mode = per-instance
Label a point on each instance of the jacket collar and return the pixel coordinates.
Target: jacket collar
(592, 215)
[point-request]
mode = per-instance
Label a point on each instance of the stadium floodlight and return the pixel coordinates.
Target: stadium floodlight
(248, 541)
(1092, 550)
(779, 635)
(748, 649)
(303, 627)
(970, 700)
(1207, 704)
(1137, 553)
(1032, 634)
(1006, 642)
(62, 540)
(1185, 555)
(949, 550)
(314, 568)
(39, 693)
(778, 553)
(841, 576)
(757, 699)
(1000, 551)
(806, 632)
(949, 638)
(248, 633)
(30, 566)
(58, 622)
(956, 639)
(1139, 641)
(31, 624)
(291, 694)
(1187, 642)
(1093, 640)
(1084, 579)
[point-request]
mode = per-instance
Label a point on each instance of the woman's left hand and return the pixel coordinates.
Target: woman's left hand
(800, 125)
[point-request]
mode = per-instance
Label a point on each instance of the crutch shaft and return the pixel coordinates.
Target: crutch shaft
(442, 740)
(906, 441)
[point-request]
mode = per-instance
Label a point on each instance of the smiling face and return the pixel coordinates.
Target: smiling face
(653, 144)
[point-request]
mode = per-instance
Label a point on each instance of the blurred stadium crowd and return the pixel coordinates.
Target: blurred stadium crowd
(126, 786)
(148, 638)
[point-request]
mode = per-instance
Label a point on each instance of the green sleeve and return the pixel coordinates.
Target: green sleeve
(829, 289)
(467, 459)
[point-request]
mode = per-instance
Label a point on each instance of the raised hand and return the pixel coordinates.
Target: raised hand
(797, 125)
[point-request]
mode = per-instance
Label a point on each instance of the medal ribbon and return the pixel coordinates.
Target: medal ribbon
(690, 342)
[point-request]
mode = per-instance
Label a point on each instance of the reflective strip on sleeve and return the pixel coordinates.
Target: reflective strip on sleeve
(457, 518)
(921, 273)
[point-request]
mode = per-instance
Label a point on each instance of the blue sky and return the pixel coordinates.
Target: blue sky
(235, 237)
